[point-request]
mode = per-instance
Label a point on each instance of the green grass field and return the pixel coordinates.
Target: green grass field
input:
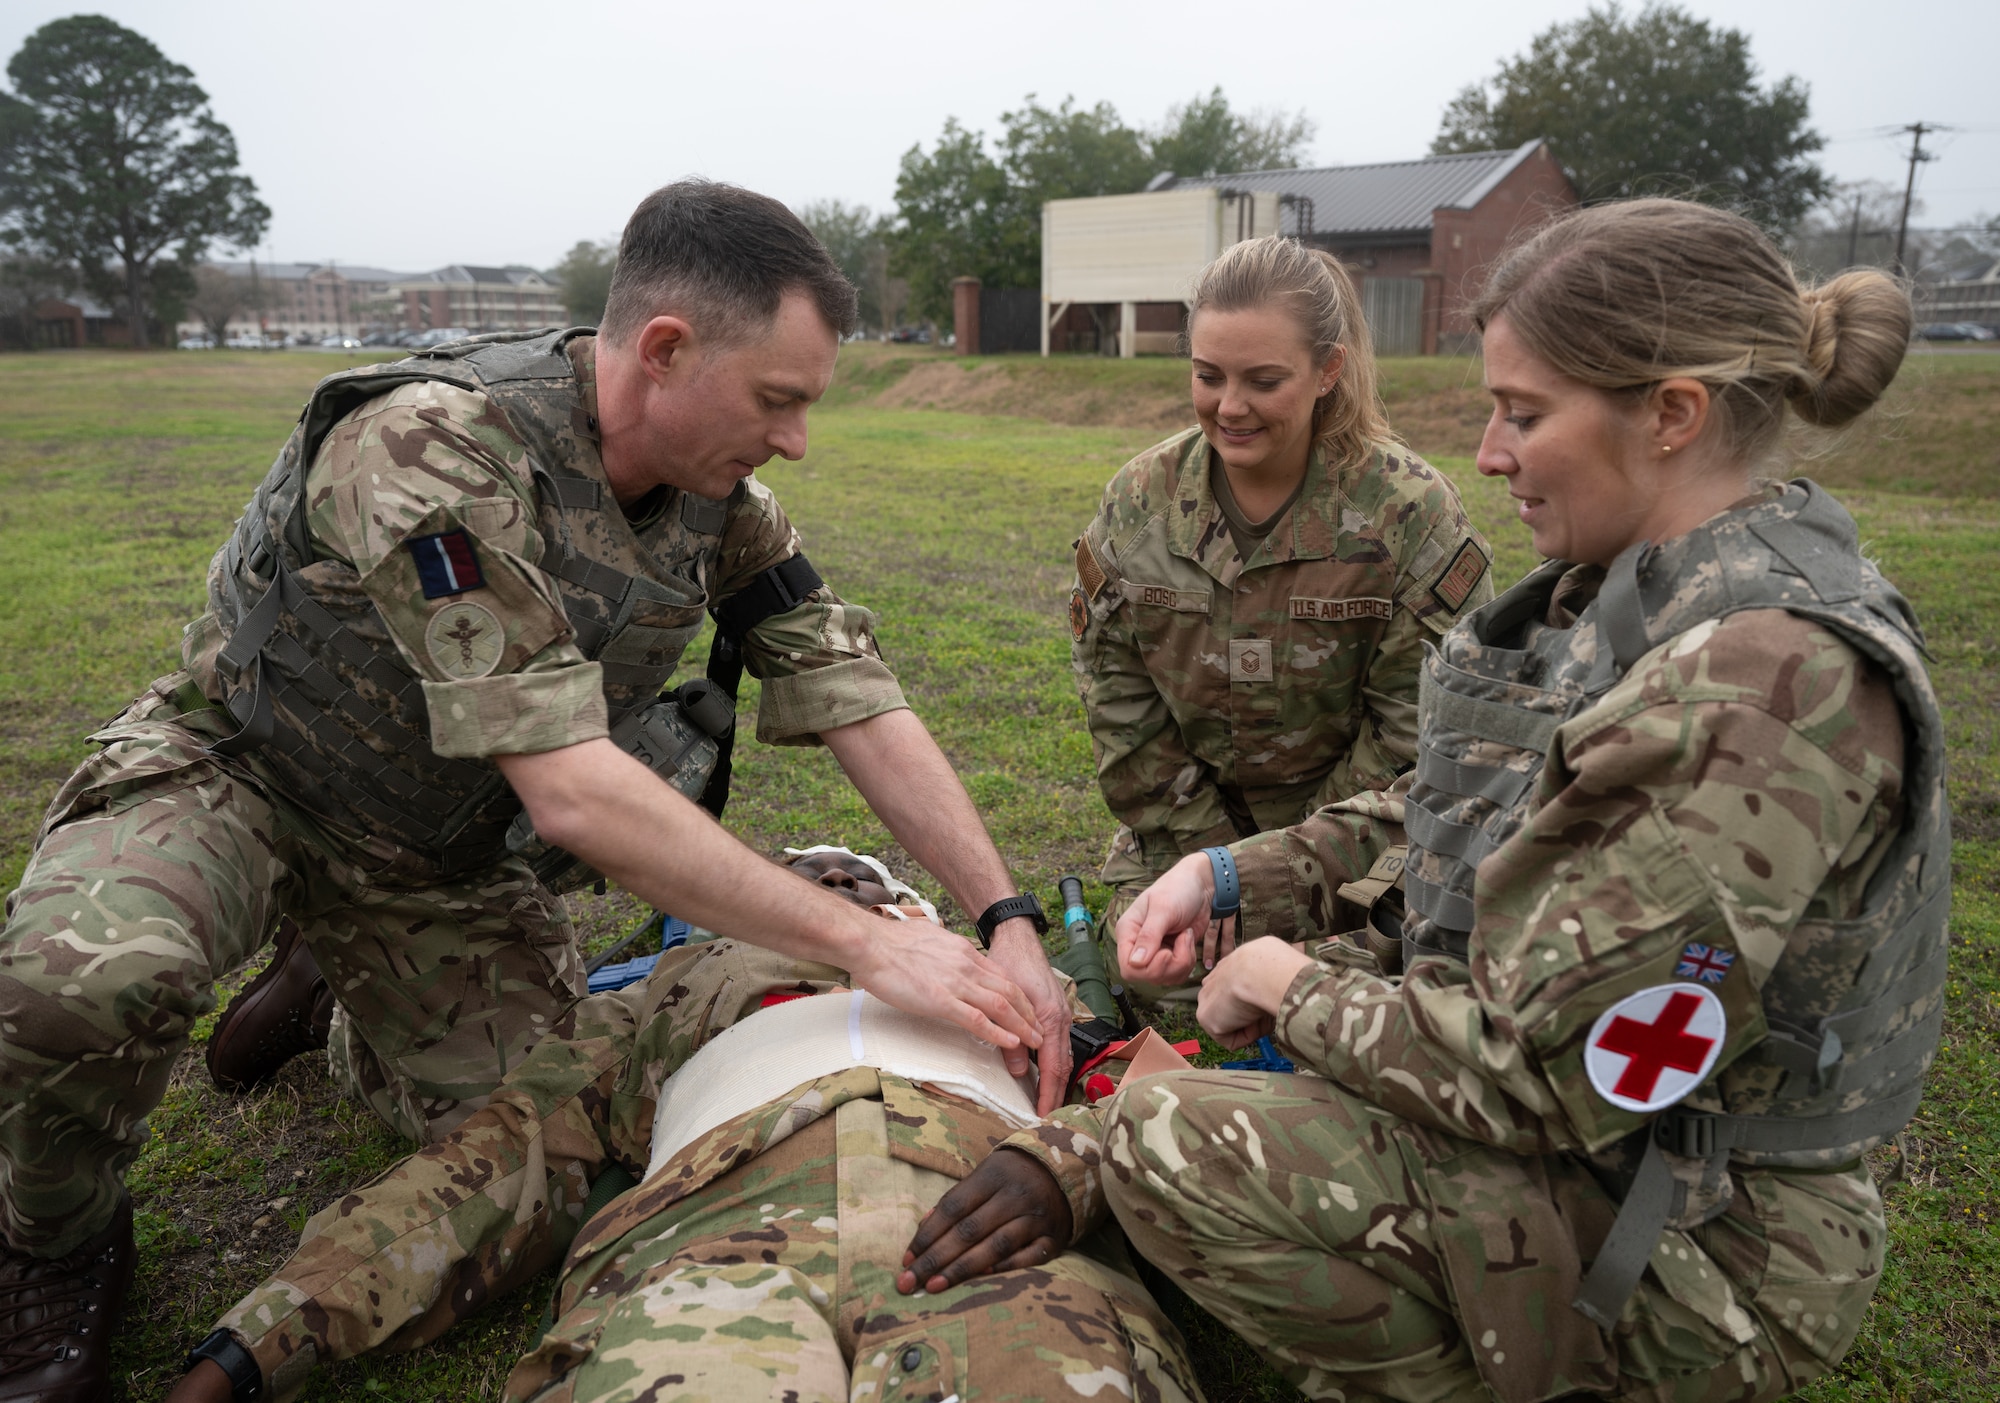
(119, 475)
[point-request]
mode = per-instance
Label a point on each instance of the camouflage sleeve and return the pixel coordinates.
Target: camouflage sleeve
(1741, 776)
(1151, 781)
(1068, 1145)
(425, 492)
(1290, 876)
(1443, 572)
(819, 663)
(455, 1225)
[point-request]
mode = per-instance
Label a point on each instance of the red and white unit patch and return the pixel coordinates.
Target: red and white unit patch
(1648, 1051)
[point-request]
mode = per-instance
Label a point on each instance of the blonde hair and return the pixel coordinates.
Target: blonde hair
(1622, 296)
(1348, 420)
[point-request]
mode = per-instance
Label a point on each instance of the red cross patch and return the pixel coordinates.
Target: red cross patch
(1648, 1051)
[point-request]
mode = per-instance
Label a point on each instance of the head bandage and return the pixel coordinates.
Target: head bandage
(901, 890)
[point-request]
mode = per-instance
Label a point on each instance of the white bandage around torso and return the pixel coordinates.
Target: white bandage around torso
(799, 1041)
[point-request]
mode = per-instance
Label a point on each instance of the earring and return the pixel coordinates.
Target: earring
(1666, 448)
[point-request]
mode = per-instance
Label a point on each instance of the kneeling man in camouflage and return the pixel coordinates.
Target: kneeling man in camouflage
(432, 658)
(807, 1157)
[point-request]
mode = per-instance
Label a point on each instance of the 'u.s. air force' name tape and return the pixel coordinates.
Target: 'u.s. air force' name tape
(1340, 610)
(446, 563)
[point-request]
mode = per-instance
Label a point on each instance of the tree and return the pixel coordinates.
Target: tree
(962, 209)
(25, 283)
(584, 275)
(1064, 153)
(219, 298)
(1660, 103)
(1205, 136)
(858, 239)
(111, 160)
(958, 214)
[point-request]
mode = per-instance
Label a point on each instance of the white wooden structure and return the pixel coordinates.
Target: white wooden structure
(1130, 249)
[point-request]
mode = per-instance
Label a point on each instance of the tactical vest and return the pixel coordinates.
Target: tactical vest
(1853, 1030)
(322, 693)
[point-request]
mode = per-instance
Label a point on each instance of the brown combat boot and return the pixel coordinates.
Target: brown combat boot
(281, 1013)
(58, 1314)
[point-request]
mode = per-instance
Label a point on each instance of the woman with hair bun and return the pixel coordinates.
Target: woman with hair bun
(1677, 883)
(1254, 595)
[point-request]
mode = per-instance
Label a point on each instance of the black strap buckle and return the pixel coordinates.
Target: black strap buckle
(1691, 1134)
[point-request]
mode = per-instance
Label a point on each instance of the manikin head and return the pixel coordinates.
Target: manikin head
(862, 879)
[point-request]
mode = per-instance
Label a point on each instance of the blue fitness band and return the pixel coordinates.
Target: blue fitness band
(1228, 898)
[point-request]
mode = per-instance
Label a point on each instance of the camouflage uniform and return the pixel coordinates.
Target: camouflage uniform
(1733, 808)
(758, 1262)
(1228, 696)
(168, 858)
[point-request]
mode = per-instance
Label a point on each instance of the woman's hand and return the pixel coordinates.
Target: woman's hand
(1007, 1213)
(1240, 998)
(1168, 926)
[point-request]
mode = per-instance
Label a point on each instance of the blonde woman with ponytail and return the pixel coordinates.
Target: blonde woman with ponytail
(1677, 878)
(1254, 596)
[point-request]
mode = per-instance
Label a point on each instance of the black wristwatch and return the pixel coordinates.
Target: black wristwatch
(1006, 909)
(246, 1380)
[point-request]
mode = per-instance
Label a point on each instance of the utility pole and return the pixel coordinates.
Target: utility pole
(1854, 234)
(1917, 156)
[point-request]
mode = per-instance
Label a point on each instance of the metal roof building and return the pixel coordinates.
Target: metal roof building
(1389, 198)
(1417, 235)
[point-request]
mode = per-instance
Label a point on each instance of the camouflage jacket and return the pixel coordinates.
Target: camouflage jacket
(1227, 696)
(427, 518)
(1727, 798)
(501, 1199)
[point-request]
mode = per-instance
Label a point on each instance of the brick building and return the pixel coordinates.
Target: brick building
(514, 298)
(306, 301)
(1418, 235)
(73, 319)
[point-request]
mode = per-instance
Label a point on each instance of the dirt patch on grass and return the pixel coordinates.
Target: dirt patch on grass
(1044, 390)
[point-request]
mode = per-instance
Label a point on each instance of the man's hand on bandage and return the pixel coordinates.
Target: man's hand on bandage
(1007, 1213)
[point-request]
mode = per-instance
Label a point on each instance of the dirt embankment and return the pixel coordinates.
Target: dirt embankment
(1438, 405)
(1937, 432)
(1042, 391)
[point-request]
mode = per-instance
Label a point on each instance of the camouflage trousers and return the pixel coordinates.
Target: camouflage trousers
(777, 1281)
(1369, 1258)
(160, 869)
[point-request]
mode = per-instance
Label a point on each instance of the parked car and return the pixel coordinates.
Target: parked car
(1957, 331)
(920, 335)
(339, 343)
(195, 343)
(437, 336)
(251, 341)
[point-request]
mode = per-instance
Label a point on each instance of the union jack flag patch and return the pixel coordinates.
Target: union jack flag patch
(446, 564)
(1705, 963)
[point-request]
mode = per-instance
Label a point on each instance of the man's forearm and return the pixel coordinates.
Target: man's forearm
(624, 820)
(913, 789)
(615, 814)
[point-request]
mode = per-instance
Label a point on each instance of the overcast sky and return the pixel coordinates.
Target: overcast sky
(409, 135)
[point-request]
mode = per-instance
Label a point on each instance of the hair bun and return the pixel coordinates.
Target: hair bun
(1857, 329)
